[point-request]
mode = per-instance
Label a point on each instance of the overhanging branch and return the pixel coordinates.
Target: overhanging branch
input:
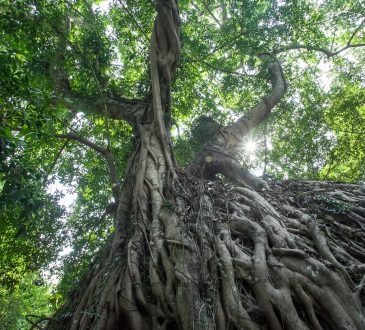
(113, 108)
(117, 108)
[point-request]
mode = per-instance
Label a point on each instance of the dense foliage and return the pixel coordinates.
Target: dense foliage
(317, 132)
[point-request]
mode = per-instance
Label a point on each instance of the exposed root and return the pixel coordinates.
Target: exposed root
(229, 260)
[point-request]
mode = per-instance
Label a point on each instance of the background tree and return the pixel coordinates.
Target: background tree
(83, 91)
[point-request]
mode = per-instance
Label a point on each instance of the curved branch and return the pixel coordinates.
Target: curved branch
(113, 108)
(230, 137)
(117, 108)
(219, 156)
(36, 324)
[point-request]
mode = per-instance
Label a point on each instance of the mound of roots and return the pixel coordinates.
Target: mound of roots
(226, 257)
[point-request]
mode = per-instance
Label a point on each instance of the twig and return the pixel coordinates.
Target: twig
(35, 325)
(58, 155)
(211, 13)
(356, 30)
(135, 21)
(325, 51)
(103, 151)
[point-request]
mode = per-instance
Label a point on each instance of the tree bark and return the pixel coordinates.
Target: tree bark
(220, 155)
(193, 253)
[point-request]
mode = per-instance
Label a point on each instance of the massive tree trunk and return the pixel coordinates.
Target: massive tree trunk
(190, 252)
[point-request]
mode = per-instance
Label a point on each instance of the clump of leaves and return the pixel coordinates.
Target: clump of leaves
(326, 204)
(167, 204)
(331, 205)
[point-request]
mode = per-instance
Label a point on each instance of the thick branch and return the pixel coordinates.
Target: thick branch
(219, 156)
(164, 58)
(117, 108)
(230, 138)
(36, 324)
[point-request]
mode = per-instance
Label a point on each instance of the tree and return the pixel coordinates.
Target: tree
(189, 249)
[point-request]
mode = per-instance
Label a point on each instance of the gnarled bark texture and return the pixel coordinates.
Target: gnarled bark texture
(189, 252)
(223, 256)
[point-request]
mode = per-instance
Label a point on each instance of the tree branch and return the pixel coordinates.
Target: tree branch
(106, 153)
(117, 108)
(230, 137)
(325, 51)
(219, 156)
(355, 31)
(113, 108)
(135, 21)
(36, 324)
(211, 13)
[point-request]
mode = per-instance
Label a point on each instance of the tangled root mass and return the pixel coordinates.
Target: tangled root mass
(226, 257)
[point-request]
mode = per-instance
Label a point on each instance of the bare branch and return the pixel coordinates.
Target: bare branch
(211, 13)
(356, 30)
(36, 324)
(56, 158)
(82, 140)
(325, 51)
(208, 10)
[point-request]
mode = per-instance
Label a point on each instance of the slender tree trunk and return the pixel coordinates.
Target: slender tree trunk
(192, 253)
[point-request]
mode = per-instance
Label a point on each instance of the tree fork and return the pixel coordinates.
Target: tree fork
(219, 156)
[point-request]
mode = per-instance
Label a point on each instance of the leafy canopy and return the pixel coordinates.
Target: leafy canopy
(317, 132)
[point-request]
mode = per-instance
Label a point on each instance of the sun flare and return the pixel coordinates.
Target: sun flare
(250, 146)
